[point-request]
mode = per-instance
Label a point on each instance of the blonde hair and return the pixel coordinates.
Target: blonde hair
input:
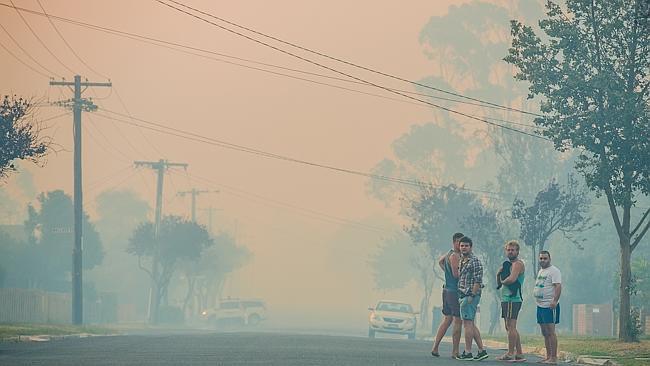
(512, 243)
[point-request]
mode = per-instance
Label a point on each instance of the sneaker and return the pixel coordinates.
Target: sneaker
(481, 355)
(465, 357)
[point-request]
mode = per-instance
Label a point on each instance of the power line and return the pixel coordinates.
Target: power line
(220, 143)
(128, 159)
(167, 44)
(119, 98)
(122, 135)
(198, 138)
(54, 117)
(334, 58)
(354, 77)
(68, 44)
(39, 38)
(319, 215)
(223, 144)
(27, 53)
(21, 61)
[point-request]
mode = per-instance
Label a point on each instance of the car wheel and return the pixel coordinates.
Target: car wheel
(371, 333)
(254, 320)
(411, 335)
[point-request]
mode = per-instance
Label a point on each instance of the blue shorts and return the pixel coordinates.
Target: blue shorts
(467, 309)
(548, 315)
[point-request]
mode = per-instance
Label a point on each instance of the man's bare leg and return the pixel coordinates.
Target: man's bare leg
(510, 353)
(469, 327)
(477, 338)
(442, 329)
(512, 335)
(553, 343)
(547, 344)
(458, 325)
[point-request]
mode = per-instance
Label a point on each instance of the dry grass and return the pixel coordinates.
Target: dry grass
(622, 353)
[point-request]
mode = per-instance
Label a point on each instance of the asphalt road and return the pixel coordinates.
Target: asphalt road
(229, 349)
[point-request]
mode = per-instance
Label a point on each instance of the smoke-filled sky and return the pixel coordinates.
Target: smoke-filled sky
(301, 258)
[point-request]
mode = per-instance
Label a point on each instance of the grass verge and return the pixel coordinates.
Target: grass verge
(624, 354)
(14, 330)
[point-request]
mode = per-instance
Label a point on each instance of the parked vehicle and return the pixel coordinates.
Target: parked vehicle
(392, 317)
(248, 312)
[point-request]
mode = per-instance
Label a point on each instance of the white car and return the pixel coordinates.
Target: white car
(392, 317)
(236, 312)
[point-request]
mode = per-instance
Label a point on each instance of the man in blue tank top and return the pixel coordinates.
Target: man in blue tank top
(450, 306)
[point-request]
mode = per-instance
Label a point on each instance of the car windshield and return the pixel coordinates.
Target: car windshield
(229, 305)
(253, 304)
(396, 307)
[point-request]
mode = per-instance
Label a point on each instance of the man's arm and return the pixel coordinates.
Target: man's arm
(441, 261)
(557, 287)
(515, 271)
(454, 260)
(478, 277)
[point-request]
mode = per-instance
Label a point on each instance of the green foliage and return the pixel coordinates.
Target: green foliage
(555, 209)
(50, 231)
(635, 324)
(640, 286)
(178, 239)
(591, 76)
(436, 214)
(19, 138)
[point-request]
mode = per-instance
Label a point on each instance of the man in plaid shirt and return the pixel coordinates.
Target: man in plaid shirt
(470, 283)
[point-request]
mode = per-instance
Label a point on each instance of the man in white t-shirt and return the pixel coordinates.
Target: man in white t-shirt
(548, 288)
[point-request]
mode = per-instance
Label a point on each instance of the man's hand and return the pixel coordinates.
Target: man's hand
(553, 304)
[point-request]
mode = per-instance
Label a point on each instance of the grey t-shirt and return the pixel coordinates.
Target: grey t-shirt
(544, 290)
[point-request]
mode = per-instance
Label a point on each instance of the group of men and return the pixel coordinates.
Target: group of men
(461, 296)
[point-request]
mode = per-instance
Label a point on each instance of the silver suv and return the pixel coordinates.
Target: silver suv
(236, 312)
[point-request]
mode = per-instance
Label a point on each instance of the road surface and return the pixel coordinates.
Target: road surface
(244, 348)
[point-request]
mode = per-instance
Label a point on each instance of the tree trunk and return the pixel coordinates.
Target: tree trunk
(495, 312)
(424, 307)
(624, 318)
(190, 292)
(534, 260)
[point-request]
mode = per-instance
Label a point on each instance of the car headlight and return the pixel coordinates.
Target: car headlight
(375, 317)
(204, 313)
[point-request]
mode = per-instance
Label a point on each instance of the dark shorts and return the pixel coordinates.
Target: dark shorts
(510, 310)
(450, 305)
(548, 315)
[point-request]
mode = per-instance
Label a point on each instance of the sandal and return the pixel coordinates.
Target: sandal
(435, 354)
(505, 357)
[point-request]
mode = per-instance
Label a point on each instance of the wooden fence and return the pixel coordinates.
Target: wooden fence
(34, 306)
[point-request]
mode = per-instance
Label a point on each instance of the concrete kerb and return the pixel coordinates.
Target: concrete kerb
(541, 352)
(49, 337)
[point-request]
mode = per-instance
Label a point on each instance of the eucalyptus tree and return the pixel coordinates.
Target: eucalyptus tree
(589, 69)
